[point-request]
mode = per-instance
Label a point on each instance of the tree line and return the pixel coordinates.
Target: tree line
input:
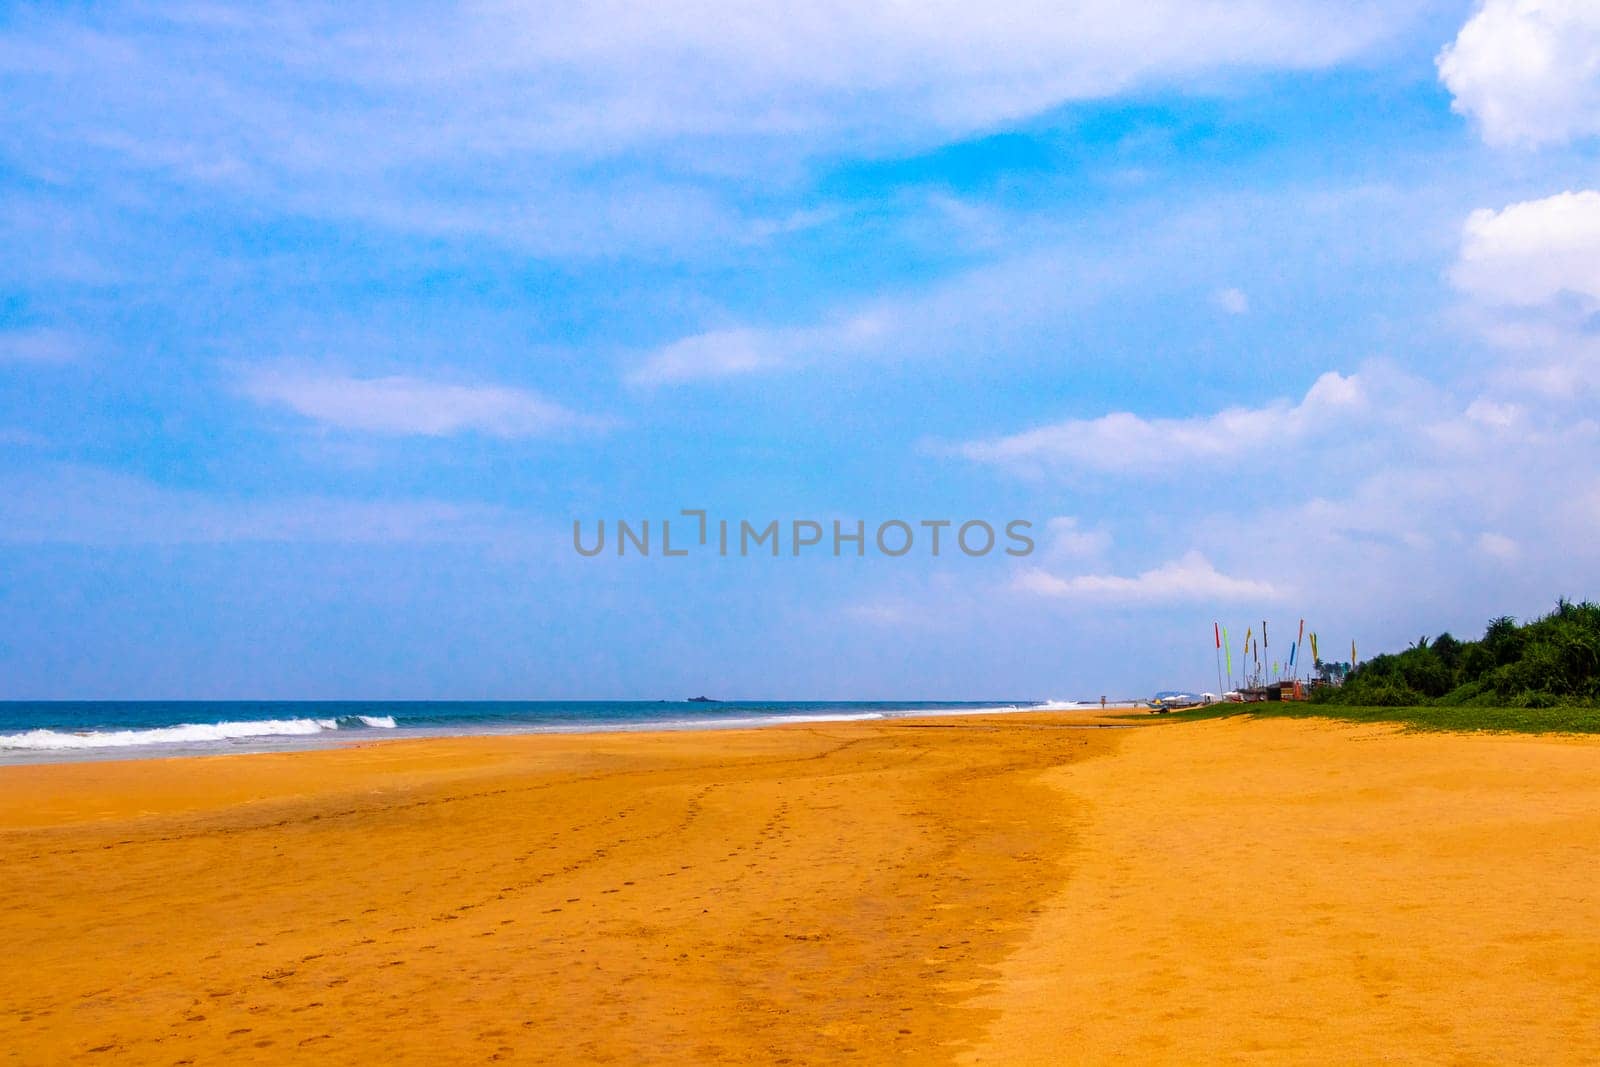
(1549, 662)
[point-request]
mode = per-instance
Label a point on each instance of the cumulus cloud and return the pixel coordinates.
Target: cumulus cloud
(406, 406)
(1528, 71)
(1532, 271)
(1532, 253)
(1124, 442)
(1189, 578)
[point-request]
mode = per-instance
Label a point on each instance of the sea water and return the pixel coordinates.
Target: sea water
(50, 731)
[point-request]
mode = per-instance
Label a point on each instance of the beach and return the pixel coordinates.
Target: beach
(1005, 888)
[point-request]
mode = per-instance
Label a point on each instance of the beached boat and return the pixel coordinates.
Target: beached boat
(1168, 702)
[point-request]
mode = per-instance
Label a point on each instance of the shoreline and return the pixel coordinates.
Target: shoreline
(331, 736)
(816, 891)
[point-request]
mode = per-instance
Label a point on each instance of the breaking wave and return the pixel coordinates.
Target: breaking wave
(187, 733)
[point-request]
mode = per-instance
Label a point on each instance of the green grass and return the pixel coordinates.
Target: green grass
(1570, 720)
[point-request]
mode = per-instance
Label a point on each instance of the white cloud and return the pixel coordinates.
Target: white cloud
(1532, 270)
(1126, 442)
(1065, 537)
(1192, 577)
(1528, 70)
(1401, 537)
(317, 109)
(714, 354)
(942, 62)
(406, 406)
(743, 350)
(1534, 252)
(1233, 301)
(1032, 300)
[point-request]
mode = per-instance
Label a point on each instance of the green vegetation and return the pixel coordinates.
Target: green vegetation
(1549, 663)
(1541, 677)
(1574, 719)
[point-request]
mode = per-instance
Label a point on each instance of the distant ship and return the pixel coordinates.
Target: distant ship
(703, 700)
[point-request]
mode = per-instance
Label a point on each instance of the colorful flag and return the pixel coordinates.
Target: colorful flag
(1216, 631)
(1227, 651)
(1352, 653)
(1264, 642)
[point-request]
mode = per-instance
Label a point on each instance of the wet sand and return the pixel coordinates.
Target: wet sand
(997, 889)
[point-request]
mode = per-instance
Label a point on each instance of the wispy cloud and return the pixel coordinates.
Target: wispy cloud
(1067, 538)
(316, 110)
(1124, 442)
(740, 351)
(1003, 302)
(405, 406)
(1189, 578)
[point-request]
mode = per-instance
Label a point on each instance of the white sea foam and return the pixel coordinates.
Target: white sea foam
(183, 734)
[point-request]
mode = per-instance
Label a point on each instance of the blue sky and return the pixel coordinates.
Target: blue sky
(320, 326)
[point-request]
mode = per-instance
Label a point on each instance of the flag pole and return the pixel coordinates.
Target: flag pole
(1216, 631)
(1298, 641)
(1227, 651)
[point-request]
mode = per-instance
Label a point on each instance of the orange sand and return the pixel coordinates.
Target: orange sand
(799, 893)
(1308, 892)
(1005, 889)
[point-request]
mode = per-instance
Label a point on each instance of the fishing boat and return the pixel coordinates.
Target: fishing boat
(1163, 703)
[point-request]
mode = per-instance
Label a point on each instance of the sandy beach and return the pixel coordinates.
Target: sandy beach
(992, 889)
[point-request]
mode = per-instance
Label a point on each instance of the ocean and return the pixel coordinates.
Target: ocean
(53, 731)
